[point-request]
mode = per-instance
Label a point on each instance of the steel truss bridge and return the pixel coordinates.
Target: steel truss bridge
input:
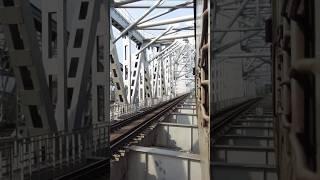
(85, 88)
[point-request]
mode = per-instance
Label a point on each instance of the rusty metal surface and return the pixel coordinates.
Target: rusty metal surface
(295, 69)
(204, 83)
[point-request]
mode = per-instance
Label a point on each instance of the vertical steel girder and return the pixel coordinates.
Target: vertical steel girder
(144, 92)
(136, 69)
(100, 69)
(141, 85)
(296, 94)
(133, 66)
(147, 84)
(26, 61)
(163, 67)
(54, 57)
(171, 76)
(204, 91)
(80, 50)
(67, 75)
(127, 65)
(162, 89)
(167, 75)
(155, 76)
(8, 98)
(116, 74)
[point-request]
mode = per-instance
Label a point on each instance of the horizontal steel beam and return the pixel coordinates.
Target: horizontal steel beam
(176, 37)
(178, 125)
(165, 152)
(168, 11)
(146, 6)
(236, 136)
(118, 21)
(238, 166)
(239, 29)
(119, 3)
(159, 29)
(247, 7)
(132, 25)
(242, 55)
(243, 148)
(182, 114)
(166, 22)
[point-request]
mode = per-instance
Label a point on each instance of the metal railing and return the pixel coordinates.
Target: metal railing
(20, 158)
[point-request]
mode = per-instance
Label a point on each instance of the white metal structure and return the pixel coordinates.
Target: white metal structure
(157, 69)
(25, 59)
(62, 116)
(151, 67)
(63, 66)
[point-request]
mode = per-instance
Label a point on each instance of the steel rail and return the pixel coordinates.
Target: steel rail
(154, 114)
(225, 116)
(129, 119)
(133, 116)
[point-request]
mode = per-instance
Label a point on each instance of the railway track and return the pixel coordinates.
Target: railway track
(124, 131)
(224, 118)
(244, 142)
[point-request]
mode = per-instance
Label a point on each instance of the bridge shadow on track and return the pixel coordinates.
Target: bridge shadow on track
(155, 166)
(258, 158)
